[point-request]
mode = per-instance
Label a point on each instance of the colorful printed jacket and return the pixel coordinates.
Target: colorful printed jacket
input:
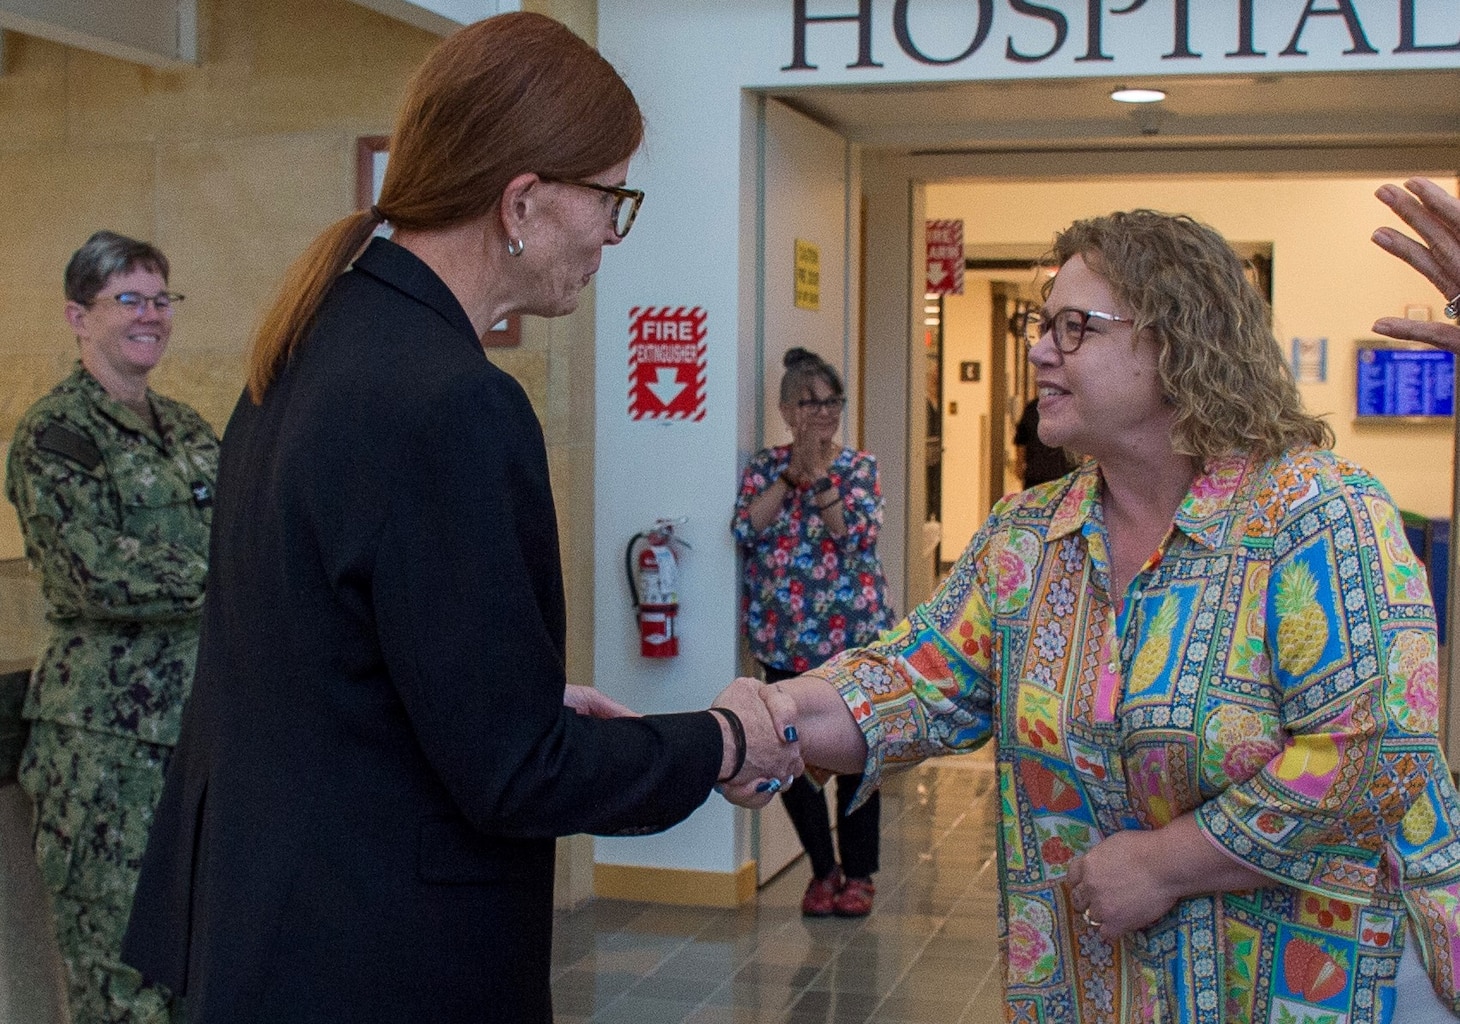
(809, 595)
(1272, 667)
(115, 520)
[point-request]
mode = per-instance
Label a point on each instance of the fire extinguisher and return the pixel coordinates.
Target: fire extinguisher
(654, 583)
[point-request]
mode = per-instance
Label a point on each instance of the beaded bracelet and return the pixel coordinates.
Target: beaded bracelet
(737, 730)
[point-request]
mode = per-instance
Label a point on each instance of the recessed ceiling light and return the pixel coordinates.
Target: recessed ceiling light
(1124, 95)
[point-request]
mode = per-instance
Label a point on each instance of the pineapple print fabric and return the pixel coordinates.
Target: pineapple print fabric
(1272, 668)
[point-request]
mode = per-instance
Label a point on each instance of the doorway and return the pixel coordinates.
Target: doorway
(1301, 213)
(1306, 238)
(985, 368)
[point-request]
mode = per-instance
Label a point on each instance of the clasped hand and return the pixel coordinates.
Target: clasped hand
(1131, 878)
(1115, 886)
(772, 753)
(810, 460)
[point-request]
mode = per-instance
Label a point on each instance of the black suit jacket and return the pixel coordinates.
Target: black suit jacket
(358, 824)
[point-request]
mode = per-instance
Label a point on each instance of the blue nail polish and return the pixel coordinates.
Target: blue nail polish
(790, 734)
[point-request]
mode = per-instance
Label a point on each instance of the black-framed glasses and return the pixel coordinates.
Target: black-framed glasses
(1068, 326)
(626, 202)
(835, 404)
(135, 302)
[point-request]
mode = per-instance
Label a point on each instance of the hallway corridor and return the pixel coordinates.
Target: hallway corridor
(928, 953)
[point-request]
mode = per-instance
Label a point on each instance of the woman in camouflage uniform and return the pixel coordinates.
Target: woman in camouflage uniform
(113, 486)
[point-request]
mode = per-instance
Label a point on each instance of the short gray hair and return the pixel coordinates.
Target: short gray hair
(104, 254)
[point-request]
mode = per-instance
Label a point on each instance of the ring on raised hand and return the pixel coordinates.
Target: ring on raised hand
(1452, 308)
(774, 786)
(1088, 919)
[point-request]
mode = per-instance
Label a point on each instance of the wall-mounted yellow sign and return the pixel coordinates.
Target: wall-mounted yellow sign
(808, 275)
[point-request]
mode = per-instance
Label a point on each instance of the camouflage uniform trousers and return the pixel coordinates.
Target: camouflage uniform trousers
(94, 796)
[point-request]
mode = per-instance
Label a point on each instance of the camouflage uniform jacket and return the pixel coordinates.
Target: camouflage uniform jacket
(115, 517)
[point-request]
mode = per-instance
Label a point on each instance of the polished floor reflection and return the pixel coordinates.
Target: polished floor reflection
(927, 954)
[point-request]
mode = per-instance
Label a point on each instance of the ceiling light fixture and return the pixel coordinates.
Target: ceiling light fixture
(1126, 95)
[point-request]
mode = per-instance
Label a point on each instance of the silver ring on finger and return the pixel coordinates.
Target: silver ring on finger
(1452, 308)
(1088, 919)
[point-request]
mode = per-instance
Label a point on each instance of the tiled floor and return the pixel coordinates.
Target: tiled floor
(928, 953)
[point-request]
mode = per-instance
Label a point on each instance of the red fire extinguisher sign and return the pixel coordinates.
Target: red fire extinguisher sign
(667, 363)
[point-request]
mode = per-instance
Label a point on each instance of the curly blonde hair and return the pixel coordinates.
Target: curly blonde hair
(1220, 366)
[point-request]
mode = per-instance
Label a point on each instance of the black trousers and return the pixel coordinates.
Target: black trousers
(858, 835)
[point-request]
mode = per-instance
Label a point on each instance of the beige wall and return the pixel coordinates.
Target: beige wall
(1329, 282)
(232, 167)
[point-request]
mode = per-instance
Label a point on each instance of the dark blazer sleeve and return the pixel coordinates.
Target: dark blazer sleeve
(469, 606)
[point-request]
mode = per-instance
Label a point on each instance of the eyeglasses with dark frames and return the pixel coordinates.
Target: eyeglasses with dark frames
(1068, 326)
(136, 302)
(626, 201)
(834, 404)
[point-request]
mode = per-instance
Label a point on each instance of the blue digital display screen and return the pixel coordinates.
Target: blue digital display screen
(1405, 382)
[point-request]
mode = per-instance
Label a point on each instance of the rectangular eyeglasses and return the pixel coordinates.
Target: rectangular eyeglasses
(823, 405)
(1067, 325)
(626, 202)
(135, 302)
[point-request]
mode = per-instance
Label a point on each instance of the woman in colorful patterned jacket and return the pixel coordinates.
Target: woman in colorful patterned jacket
(1207, 658)
(806, 521)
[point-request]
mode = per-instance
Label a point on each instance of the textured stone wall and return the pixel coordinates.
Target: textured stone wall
(232, 167)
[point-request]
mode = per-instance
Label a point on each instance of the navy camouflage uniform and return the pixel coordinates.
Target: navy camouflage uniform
(115, 517)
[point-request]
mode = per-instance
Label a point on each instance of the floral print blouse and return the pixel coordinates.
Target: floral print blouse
(1272, 667)
(809, 595)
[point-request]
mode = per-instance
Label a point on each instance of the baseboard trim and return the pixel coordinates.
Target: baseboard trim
(676, 886)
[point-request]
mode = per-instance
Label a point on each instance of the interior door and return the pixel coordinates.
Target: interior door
(809, 207)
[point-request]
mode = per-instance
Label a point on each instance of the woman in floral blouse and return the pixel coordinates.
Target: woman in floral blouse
(1208, 660)
(806, 520)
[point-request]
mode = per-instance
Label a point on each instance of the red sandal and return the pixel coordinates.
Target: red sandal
(855, 898)
(821, 894)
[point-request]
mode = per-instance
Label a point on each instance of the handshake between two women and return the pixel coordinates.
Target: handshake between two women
(758, 724)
